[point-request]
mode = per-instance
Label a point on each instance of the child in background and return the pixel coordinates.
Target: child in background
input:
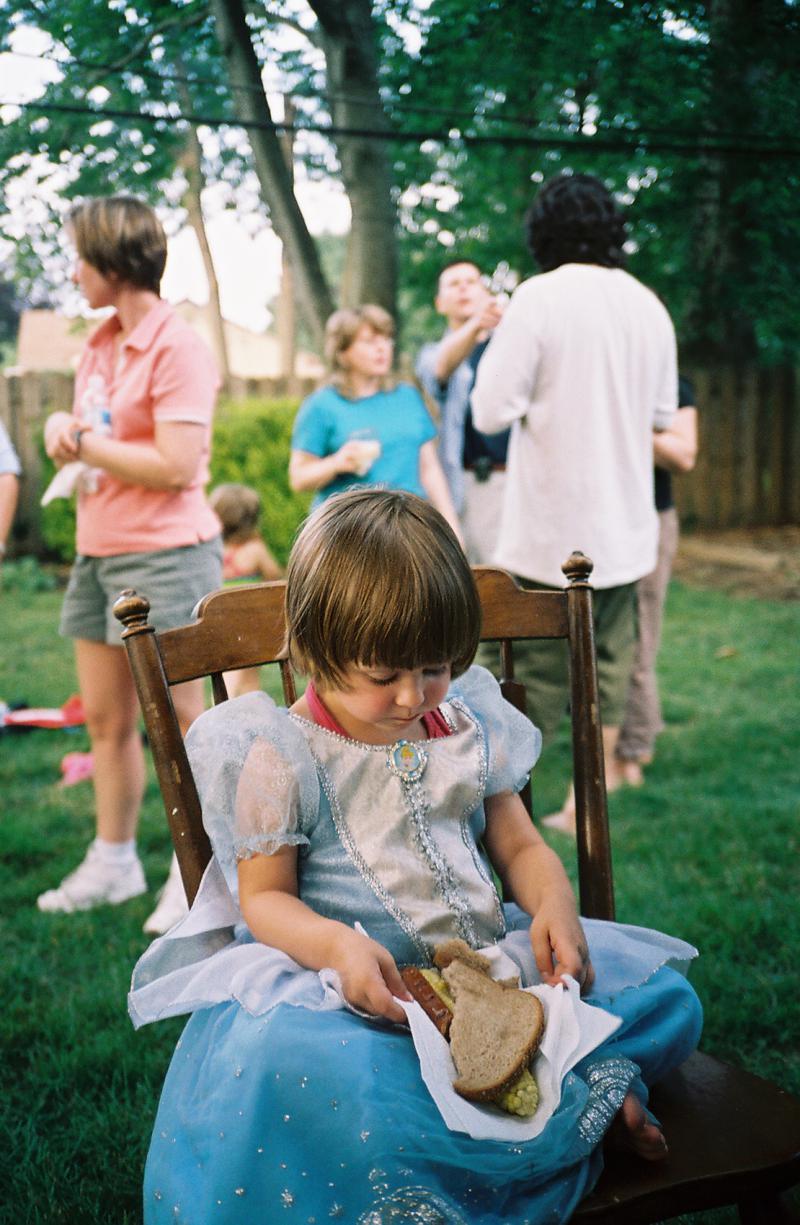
(245, 559)
(351, 834)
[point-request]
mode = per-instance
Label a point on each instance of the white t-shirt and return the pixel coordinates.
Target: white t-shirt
(583, 367)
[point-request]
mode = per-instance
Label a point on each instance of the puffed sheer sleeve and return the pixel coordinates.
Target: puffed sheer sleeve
(256, 779)
(513, 742)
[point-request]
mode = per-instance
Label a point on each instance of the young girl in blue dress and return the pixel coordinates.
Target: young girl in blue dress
(352, 834)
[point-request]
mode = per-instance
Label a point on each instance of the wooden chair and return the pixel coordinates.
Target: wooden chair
(734, 1138)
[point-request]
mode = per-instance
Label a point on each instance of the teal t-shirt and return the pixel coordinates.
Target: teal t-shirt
(397, 418)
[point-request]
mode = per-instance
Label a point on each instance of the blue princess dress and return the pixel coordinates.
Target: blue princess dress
(281, 1104)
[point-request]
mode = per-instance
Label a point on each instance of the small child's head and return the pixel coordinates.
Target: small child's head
(238, 508)
(377, 577)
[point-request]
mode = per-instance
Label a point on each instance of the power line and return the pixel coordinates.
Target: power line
(595, 143)
(402, 104)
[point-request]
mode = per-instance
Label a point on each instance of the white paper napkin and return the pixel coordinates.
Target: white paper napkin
(572, 1030)
(64, 482)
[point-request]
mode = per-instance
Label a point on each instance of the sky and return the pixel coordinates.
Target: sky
(247, 255)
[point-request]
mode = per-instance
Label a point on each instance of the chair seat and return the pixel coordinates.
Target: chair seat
(714, 1150)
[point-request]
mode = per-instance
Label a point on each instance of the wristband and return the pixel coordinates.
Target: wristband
(78, 434)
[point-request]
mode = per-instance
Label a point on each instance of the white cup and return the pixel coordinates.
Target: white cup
(369, 448)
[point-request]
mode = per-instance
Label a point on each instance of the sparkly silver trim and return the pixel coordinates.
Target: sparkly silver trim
(608, 1081)
(480, 794)
(418, 809)
(349, 741)
(412, 1206)
(366, 873)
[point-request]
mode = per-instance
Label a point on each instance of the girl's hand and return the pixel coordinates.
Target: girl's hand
(369, 975)
(59, 437)
(559, 944)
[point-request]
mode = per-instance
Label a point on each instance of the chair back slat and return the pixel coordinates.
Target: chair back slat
(237, 627)
(287, 681)
(219, 689)
(507, 609)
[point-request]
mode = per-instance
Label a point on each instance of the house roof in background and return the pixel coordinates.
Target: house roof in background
(48, 340)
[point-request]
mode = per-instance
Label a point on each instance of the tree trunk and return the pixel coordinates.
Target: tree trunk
(250, 103)
(349, 42)
(286, 323)
(192, 166)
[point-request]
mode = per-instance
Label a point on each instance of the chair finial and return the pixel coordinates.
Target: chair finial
(578, 568)
(132, 611)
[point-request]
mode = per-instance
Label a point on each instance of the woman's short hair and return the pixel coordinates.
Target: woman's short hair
(340, 332)
(377, 577)
(122, 237)
(238, 508)
(574, 220)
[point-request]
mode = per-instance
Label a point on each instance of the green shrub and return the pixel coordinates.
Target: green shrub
(251, 445)
(26, 575)
(57, 518)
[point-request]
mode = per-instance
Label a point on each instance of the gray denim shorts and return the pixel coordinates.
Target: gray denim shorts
(173, 580)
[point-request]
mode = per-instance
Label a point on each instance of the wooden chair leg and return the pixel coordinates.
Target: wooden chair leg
(766, 1210)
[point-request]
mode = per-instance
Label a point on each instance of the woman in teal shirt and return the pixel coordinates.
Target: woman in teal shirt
(361, 428)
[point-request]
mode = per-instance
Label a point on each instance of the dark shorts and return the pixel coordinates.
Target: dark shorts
(173, 580)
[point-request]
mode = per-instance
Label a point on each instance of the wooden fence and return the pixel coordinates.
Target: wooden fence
(748, 466)
(27, 399)
(747, 473)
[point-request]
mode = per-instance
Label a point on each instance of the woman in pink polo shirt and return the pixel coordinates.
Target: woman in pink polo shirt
(141, 426)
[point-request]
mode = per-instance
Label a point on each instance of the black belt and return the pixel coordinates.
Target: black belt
(483, 468)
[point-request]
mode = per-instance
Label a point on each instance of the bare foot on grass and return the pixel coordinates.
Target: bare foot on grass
(565, 819)
(632, 1132)
(632, 773)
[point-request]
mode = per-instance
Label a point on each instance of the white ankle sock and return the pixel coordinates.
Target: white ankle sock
(118, 853)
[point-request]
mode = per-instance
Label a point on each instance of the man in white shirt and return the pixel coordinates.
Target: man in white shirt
(583, 368)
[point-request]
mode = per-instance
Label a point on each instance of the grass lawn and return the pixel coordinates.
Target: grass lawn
(708, 850)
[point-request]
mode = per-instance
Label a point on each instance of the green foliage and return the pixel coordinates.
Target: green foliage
(707, 849)
(688, 112)
(251, 446)
(58, 522)
(25, 575)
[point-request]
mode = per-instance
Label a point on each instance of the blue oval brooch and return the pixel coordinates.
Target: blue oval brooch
(407, 760)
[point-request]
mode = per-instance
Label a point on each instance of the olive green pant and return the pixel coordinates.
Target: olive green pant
(543, 666)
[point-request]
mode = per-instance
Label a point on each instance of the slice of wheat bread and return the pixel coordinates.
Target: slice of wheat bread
(459, 950)
(494, 1033)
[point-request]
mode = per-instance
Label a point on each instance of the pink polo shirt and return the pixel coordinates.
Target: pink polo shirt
(164, 372)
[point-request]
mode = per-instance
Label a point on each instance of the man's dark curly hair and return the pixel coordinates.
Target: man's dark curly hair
(574, 220)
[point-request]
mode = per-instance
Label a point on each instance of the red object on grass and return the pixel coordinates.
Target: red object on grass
(69, 715)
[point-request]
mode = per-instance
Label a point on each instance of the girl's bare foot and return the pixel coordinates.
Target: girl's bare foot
(633, 1132)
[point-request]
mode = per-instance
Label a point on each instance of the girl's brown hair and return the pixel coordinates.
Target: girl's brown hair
(122, 237)
(238, 508)
(340, 332)
(377, 577)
